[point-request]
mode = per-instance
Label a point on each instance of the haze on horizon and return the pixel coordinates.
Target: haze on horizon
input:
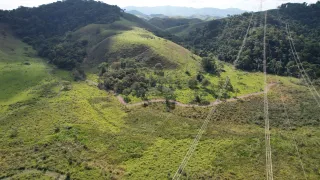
(249, 5)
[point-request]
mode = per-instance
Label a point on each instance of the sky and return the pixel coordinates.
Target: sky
(250, 5)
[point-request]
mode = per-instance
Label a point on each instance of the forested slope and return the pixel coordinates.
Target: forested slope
(224, 37)
(48, 28)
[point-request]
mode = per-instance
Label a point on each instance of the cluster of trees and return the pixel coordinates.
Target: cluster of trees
(224, 37)
(47, 27)
(210, 65)
(126, 81)
(126, 77)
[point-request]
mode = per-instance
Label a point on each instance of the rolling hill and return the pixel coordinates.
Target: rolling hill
(139, 14)
(184, 30)
(152, 67)
(61, 118)
(53, 127)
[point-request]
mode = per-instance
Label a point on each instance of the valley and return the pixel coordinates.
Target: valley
(113, 96)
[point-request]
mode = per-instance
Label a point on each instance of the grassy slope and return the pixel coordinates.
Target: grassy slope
(170, 22)
(184, 30)
(122, 40)
(245, 82)
(233, 145)
(86, 134)
(44, 128)
(172, 52)
(18, 80)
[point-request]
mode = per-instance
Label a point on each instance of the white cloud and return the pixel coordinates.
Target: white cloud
(252, 5)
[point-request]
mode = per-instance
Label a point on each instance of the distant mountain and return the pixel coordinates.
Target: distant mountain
(185, 11)
(158, 16)
(204, 17)
(139, 14)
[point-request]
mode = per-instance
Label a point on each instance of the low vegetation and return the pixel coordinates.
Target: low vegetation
(54, 125)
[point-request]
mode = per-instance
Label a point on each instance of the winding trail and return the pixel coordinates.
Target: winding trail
(51, 174)
(177, 103)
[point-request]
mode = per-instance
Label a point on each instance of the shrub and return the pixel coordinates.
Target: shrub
(192, 83)
(206, 82)
(209, 65)
(200, 77)
(127, 99)
(78, 74)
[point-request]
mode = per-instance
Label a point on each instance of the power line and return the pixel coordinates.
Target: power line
(196, 140)
(269, 171)
(193, 145)
(244, 41)
(300, 68)
(288, 122)
(298, 58)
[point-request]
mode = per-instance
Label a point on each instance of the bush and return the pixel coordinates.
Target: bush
(127, 99)
(78, 74)
(200, 77)
(206, 82)
(193, 84)
(209, 65)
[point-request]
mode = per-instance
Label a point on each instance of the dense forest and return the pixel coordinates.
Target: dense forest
(47, 27)
(224, 37)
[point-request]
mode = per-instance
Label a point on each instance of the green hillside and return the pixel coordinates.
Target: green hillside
(125, 41)
(179, 66)
(184, 30)
(224, 37)
(53, 127)
(61, 115)
(165, 23)
(139, 14)
(21, 70)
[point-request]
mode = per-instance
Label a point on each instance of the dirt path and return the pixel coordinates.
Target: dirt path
(51, 174)
(177, 103)
(121, 100)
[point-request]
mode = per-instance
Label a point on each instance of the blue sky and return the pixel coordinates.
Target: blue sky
(251, 5)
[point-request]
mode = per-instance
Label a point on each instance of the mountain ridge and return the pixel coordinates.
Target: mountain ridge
(185, 11)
